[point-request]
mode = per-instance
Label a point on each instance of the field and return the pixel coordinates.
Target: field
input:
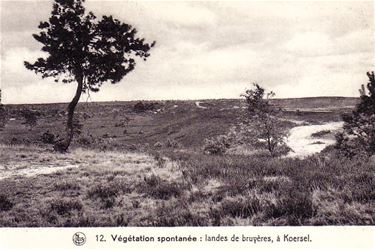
(144, 165)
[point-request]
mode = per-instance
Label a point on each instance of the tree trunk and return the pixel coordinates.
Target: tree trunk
(62, 146)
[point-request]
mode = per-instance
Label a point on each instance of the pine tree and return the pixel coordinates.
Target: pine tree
(264, 124)
(85, 50)
(358, 137)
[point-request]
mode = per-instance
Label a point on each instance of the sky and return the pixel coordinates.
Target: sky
(208, 49)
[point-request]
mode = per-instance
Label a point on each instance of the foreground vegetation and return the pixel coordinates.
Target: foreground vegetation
(186, 189)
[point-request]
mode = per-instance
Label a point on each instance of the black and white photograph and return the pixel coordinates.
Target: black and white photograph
(187, 113)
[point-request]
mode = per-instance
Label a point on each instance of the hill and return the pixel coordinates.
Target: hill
(123, 125)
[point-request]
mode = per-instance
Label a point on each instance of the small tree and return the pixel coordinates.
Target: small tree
(264, 127)
(85, 50)
(358, 136)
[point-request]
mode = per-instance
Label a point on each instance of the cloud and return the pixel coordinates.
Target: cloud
(174, 13)
(13, 71)
(212, 49)
(318, 44)
(18, 16)
(310, 44)
(38, 92)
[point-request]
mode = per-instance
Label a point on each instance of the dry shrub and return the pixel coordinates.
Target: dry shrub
(65, 206)
(240, 206)
(157, 188)
(217, 145)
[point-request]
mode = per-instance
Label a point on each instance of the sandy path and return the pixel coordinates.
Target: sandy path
(198, 104)
(301, 142)
(33, 171)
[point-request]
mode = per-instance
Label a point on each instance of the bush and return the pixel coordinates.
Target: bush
(175, 213)
(103, 191)
(241, 207)
(31, 117)
(171, 143)
(65, 206)
(143, 107)
(106, 193)
(67, 185)
(216, 146)
(86, 140)
(5, 203)
(48, 138)
(77, 126)
(294, 206)
(161, 189)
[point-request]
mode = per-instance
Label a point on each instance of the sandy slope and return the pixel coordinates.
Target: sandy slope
(301, 142)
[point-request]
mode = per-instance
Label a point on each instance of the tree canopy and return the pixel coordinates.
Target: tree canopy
(264, 124)
(81, 48)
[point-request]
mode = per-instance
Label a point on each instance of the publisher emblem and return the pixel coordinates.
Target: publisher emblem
(79, 239)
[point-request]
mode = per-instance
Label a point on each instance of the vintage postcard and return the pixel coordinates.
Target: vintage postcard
(187, 124)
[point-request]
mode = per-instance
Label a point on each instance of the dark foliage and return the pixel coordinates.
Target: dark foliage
(3, 116)
(31, 117)
(5, 203)
(358, 137)
(48, 138)
(84, 49)
(264, 125)
(65, 206)
(143, 107)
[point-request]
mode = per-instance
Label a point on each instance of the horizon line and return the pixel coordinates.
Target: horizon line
(159, 100)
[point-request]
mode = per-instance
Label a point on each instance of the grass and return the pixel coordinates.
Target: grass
(189, 189)
(156, 173)
(118, 126)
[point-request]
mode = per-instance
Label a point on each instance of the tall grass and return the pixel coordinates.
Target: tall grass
(190, 189)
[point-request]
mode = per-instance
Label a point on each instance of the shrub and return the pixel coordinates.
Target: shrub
(143, 107)
(14, 141)
(217, 145)
(67, 185)
(106, 193)
(161, 189)
(103, 191)
(160, 160)
(5, 203)
(65, 206)
(48, 138)
(86, 140)
(77, 126)
(240, 206)
(171, 143)
(31, 117)
(295, 206)
(175, 213)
